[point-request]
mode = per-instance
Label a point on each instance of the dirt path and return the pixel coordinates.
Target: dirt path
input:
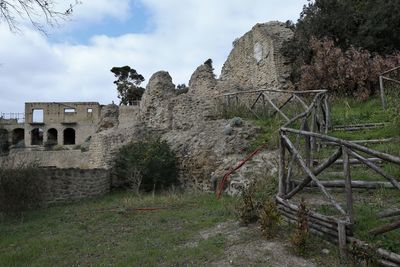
(246, 247)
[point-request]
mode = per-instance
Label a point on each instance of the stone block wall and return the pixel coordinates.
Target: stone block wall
(58, 159)
(64, 185)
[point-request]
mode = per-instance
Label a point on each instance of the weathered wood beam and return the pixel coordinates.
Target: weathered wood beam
(284, 104)
(353, 161)
(385, 228)
(319, 216)
(316, 171)
(301, 162)
(255, 102)
(391, 70)
(354, 184)
(252, 111)
(276, 108)
(371, 141)
(377, 169)
(277, 91)
(301, 101)
(347, 184)
(391, 80)
(389, 213)
(349, 144)
(282, 167)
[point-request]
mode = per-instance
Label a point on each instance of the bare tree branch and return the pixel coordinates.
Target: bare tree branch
(40, 13)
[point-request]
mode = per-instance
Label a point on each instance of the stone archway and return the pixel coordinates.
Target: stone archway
(52, 137)
(18, 137)
(69, 136)
(37, 137)
(4, 144)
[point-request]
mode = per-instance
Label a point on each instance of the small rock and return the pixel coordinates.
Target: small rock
(236, 122)
(325, 251)
(228, 130)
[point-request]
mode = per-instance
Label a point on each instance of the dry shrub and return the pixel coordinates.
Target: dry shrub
(352, 72)
(270, 219)
(21, 188)
(247, 209)
(300, 236)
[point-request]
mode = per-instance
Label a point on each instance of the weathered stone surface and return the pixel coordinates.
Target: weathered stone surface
(256, 62)
(63, 185)
(108, 118)
(190, 122)
(156, 107)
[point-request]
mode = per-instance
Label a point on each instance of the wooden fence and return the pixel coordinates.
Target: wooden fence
(273, 99)
(301, 138)
(385, 76)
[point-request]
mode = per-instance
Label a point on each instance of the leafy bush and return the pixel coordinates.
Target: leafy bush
(147, 165)
(21, 189)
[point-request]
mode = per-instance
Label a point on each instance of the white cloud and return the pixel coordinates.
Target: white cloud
(186, 33)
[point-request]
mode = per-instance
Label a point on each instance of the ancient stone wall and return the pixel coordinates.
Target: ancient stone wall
(63, 185)
(127, 115)
(206, 144)
(80, 117)
(58, 159)
(256, 62)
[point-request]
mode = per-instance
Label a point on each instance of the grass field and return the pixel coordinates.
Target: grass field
(109, 232)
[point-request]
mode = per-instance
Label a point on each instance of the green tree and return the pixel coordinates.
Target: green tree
(147, 165)
(128, 84)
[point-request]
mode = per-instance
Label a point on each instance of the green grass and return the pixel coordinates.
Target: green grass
(368, 202)
(106, 231)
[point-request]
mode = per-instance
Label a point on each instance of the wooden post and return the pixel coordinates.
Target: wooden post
(327, 114)
(307, 145)
(313, 128)
(347, 177)
(382, 92)
(282, 167)
(342, 241)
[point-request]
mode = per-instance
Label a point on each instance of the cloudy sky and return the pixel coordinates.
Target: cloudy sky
(73, 62)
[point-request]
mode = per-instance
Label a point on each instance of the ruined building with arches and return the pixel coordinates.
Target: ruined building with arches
(49, 124)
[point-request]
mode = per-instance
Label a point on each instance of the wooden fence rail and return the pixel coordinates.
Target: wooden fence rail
(384, 77)
(298, 147)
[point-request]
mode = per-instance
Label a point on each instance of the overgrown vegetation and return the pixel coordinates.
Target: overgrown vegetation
(270, 219)
(351, 34)
(21, 188)
(111, 231)
(351, 72)
(147, 165)
(260, 191)
(299, 238)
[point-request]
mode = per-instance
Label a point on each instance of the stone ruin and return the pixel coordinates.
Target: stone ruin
(190, 122)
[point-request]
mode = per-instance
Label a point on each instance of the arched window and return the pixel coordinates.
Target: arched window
(37, 137)
(18, 137)
(4, 145)
(69, 136)
(52, 137)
